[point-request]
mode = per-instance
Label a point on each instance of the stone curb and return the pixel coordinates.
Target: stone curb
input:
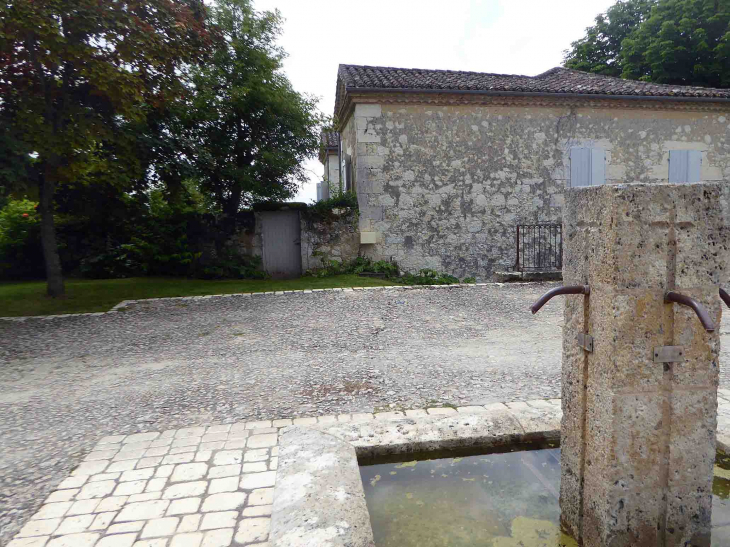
(126, 303)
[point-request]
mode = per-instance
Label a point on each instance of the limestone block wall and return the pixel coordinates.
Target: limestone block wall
(331, 237)
(444, 186)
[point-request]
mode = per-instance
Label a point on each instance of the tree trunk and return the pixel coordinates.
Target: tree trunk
(54, 275)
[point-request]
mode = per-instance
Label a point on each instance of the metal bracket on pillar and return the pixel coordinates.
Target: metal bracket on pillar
(669, 354)
(725, 297)
(585, 341)
(698, 308)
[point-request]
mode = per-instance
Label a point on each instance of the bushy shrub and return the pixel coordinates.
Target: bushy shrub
(233, 266)
(429, 277)
(21, 255)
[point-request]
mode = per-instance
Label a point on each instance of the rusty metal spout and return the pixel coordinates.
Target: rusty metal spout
(725, 297)
(698, 308)
(568, 289)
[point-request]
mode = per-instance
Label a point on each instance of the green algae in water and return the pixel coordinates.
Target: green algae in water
(494, 500)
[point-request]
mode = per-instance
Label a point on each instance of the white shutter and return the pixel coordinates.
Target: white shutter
(598, 167)
(580, 167)
(694, 162)
(678, 165)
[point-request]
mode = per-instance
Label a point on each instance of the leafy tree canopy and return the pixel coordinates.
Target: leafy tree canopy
(682, 42)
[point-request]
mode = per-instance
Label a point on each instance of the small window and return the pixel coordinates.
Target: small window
(684, 165)
(587, 167)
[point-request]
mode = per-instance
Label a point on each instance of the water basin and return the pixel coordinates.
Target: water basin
(507, 499)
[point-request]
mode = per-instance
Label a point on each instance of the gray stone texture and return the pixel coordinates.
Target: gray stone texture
(638, 437)
(445, 185)
(320, 498)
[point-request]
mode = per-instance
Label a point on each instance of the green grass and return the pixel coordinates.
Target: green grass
(29, 298)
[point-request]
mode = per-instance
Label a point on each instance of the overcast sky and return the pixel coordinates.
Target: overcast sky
(503, 36)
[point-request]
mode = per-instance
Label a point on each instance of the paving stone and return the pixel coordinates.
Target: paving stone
(159, 542)
(468, 410)
(257, 510)
(119, 540)
(389, 415)
(112, 439)
(275, 451)
(161, 442)
(73, 482)
(261, 496)
(259, 424)
(187, 441)
(223, 519)
(122, 466)
(160, 527)
(53, 510)
(96, 490)
(143, 510)
(191, 449)
(189, 523)
(135, 526)
(441, 411)
(183, 506)
(102, 521)
(274, 463)
(187, 540)
(29, 542)
(282, 423)
(218, 538)
(238, 434)
(253, 529)
(215, 445)
(156, 451)
(155, 485)
(178, 458)
(225, 428)
(304, 421)
(148, 462)
(228, 457)
(74, 525)
(184, 490)
(129, 488)
(224, 502)
(362, 417)
(327, 419)
(257, 455)
(258, 480)
(164, 471)
(75, 540)
(228, 484)
(100, 455)
(203, 455)
(105, 477)
(224, 471)
(141, 437)
(235, 443)
(147, 496)
(90, 468)
(210, 437)
(344, 418)
(128, 455)
(189, 472)
(254, 467)
(83, 507)
(43, 527)
(137, 446)
(190, 432)
(111, 504)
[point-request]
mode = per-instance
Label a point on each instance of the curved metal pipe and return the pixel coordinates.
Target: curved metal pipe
(698, 308)
(725, 297)
(568, 289)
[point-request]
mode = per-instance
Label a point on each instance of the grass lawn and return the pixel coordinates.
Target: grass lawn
(94, 295)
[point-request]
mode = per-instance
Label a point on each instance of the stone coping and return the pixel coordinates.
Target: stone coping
(127, 303)
(221, 485)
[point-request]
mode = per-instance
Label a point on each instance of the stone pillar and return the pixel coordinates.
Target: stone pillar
(638, 436)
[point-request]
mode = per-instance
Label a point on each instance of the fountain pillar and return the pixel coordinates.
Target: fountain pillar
(640, 405)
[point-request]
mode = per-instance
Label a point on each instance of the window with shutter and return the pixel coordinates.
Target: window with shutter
(684, 165)
(587, 167)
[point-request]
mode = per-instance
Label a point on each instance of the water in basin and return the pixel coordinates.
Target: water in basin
(507, 499)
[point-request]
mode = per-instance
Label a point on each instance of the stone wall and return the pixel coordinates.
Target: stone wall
(329, 237)
(444, 186)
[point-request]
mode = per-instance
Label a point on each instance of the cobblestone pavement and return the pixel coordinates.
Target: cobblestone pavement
(169, 364)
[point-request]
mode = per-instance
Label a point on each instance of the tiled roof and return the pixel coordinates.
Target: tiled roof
(330, 139)
(555, 80)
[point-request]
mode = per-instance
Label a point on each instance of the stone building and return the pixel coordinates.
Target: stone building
(329, 153)
(446, 164)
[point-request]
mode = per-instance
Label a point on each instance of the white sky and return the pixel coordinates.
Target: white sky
(503, 36)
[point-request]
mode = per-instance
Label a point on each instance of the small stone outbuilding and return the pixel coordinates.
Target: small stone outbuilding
(446, 164)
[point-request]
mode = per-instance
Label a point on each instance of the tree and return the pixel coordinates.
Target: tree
(682, 42)
(600, 50)
(72, 73)
(249, 131)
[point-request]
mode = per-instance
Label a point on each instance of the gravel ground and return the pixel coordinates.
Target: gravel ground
(170, 364)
